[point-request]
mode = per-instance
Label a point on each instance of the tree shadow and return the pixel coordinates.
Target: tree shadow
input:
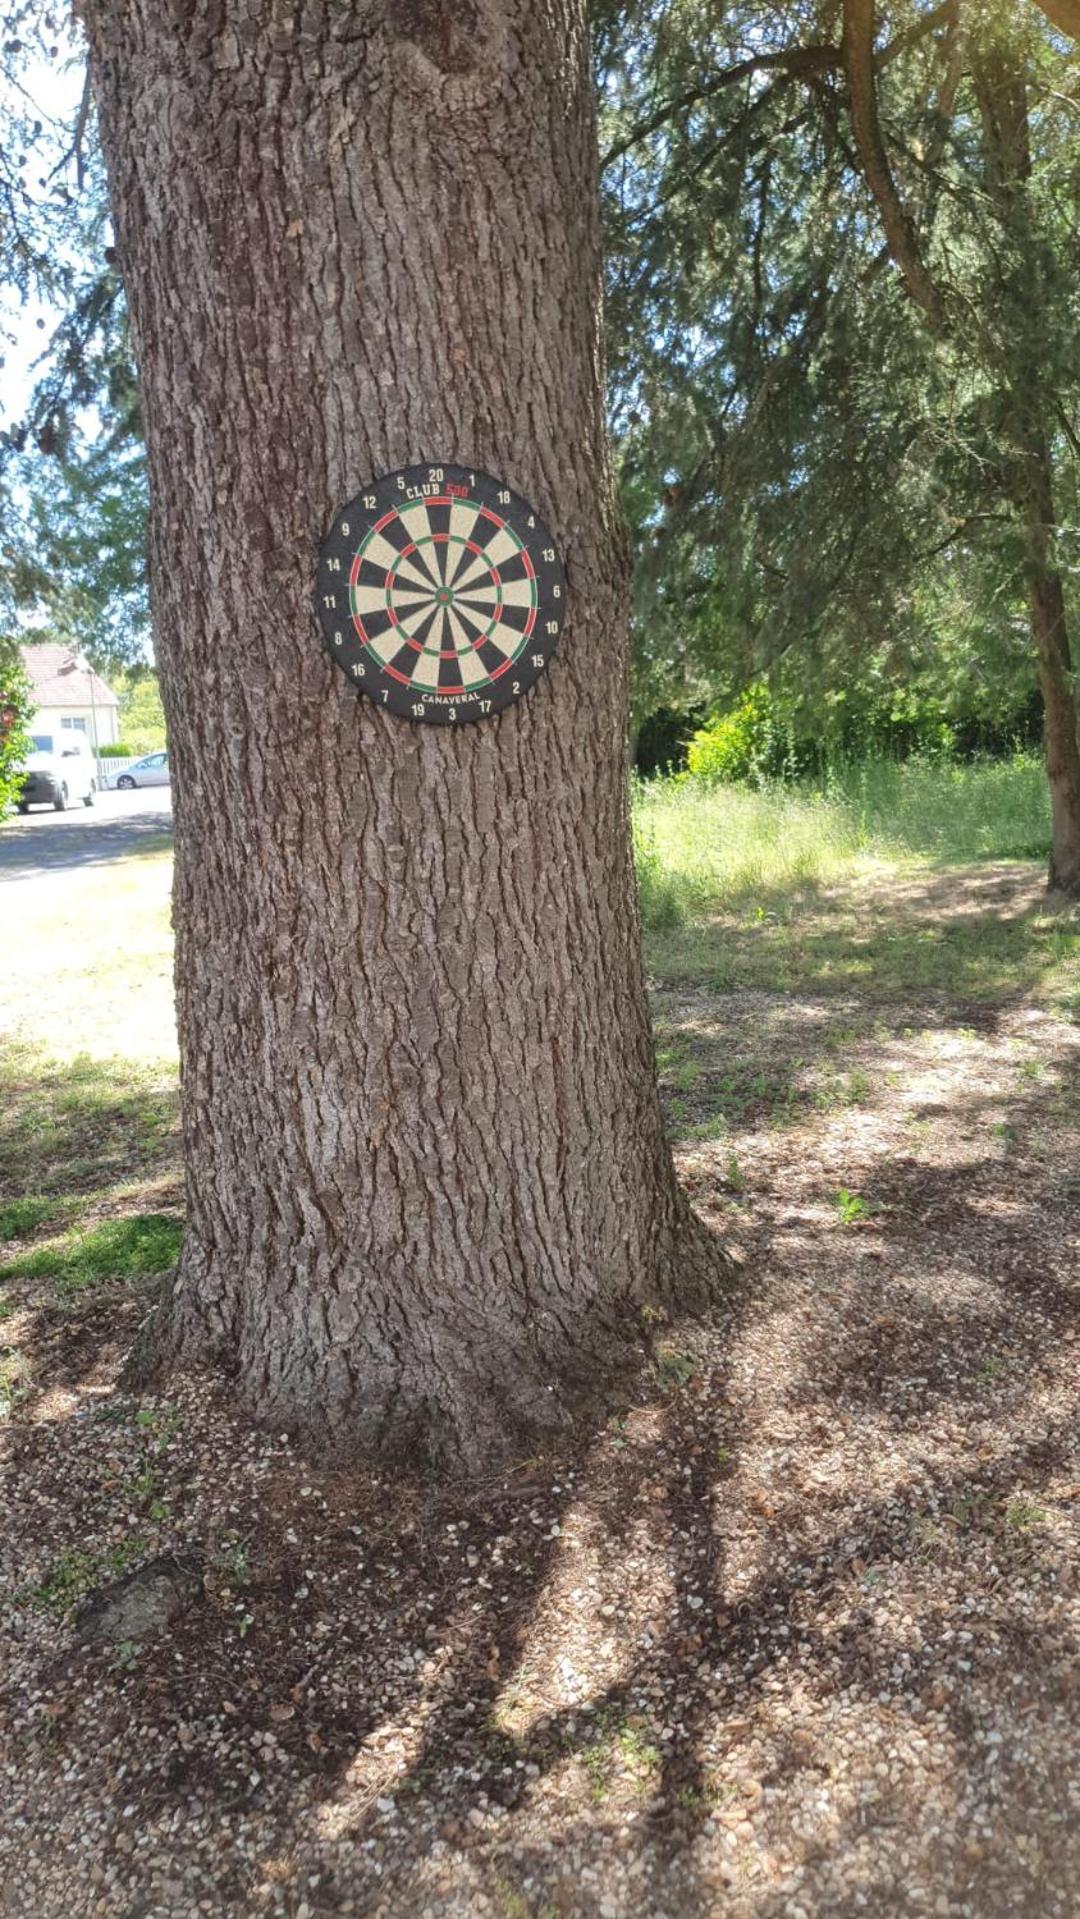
(422, 1627)
(36, 845)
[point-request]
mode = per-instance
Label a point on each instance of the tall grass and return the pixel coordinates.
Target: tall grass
(943, 810)
(702, 848)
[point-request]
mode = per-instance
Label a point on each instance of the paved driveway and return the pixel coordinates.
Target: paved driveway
(45, 841)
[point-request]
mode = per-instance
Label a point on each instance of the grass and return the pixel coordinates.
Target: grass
(724, 845)
(876, 881)
(89, 1194)
(73, 1129)
(115, 1249)
(22, 1216)
(90, 974)
(73, 1573)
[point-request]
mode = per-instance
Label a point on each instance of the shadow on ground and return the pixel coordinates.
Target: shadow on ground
(794, 1632)
(41, 843)
(795, 1629)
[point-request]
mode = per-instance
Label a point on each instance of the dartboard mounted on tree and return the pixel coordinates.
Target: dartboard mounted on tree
(440, 593)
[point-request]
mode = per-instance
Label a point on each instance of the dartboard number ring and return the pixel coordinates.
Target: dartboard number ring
(441, 594)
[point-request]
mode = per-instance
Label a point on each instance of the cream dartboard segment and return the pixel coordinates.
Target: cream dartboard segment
(440, 593)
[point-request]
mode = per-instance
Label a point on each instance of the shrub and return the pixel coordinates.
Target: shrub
(16, 707)
(787, 731)
(740, 745)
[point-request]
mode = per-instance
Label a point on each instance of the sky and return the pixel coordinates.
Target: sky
(52, 91)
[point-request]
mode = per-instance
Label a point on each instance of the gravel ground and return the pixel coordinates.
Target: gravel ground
(797, 1633)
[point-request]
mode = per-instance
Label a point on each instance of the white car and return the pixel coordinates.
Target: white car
(151, 770)
(58, 770)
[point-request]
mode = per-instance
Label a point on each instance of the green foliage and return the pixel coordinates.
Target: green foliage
(78, 573)
(674, 1367)
(702, 846)
(115, 1249)
(23, 1216)
(741, 744)
(794, 889)
(16, 708)
(852, 1207)
(663, 738)
(789, 725)
(141, 714)
(823, 488)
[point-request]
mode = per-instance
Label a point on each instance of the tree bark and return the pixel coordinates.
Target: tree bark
(1050, 632)
(428, 1190)
(1022, 318)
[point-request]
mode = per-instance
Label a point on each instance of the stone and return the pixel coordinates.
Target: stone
(144, 1602)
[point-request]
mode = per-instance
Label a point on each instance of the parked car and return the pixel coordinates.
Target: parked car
(58, 770)
(151, 770)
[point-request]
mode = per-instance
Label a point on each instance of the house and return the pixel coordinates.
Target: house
(69, 696)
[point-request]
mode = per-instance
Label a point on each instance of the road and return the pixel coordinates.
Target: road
(117, 824)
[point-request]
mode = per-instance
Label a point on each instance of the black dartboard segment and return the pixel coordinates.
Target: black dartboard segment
(440, 593)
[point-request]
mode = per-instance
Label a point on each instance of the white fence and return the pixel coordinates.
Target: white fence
(107, 769)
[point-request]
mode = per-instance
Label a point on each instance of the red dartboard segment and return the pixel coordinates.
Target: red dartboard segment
(450, 610)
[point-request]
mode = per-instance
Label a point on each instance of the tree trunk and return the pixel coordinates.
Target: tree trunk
(1049, 632)
(428, 1191)
(1023, 319)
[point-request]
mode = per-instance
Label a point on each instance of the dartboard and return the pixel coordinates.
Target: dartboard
(440, 593)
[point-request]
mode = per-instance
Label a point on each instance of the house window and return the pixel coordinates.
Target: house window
(74, 722)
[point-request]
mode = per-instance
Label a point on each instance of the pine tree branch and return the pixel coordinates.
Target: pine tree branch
(791, 60)
(75, 150)
(961, 527)
(903, 241)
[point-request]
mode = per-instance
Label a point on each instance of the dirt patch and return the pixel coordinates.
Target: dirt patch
(797, 1634)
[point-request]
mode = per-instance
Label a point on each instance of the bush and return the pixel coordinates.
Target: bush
(117, 752)
(746, 744)
(786, 732)
(16, 707)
